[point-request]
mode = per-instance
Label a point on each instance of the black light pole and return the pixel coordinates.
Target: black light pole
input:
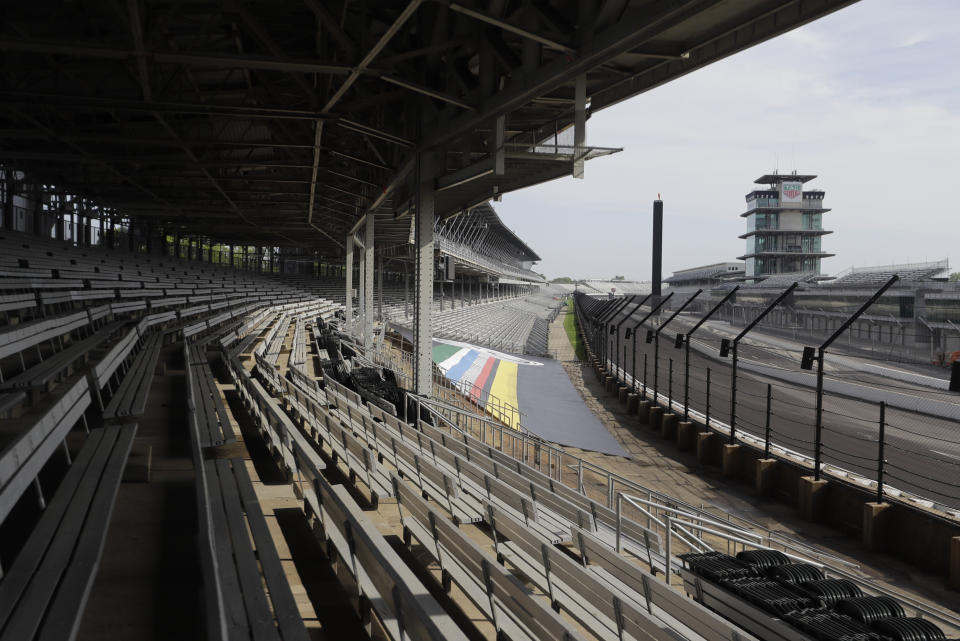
(624, 320)
(632, 331)
(725, 346)
(655, 337)
(686, 357)
(807, 363)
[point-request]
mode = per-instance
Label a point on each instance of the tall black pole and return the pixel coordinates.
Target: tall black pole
(657, 251)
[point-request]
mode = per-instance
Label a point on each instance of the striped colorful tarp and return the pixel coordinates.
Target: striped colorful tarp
(489, 377)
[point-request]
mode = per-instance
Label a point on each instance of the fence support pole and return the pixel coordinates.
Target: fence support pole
(766, 438)
(736, 341)
(706, 423)
(806, 364)
(880, 459)
(670, 387)
(733, 396)
(686, 380)
(644, 376)
(686, 359)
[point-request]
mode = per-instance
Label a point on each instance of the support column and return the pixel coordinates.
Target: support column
(8, 200)
(380, 289)
(406, 290)
(348, 307)
(423, 232)
(38, 211)
(58, 231)
(368, 282)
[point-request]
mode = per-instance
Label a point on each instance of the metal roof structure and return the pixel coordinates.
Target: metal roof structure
(285, 123)
(773, 179)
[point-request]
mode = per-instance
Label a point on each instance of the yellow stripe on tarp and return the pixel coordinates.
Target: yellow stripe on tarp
(502, 403)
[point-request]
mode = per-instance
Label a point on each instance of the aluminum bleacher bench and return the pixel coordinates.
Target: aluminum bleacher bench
(557, 497)
(361, 462)
(660, 599)
(102, 372)
(16, 302)
(608, 613)
(501, 597)
(386, 587)
(289, 444)
(213, 423)
(11, 402)
(422, 471)
(44, 373)
(236, 547)
(44, 591)
(243, 549)
(130, 397)
(17, 338)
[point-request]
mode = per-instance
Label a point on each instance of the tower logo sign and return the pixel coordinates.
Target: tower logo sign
(791, 192)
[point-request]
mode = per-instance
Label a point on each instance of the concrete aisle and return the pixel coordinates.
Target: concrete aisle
(557, 341)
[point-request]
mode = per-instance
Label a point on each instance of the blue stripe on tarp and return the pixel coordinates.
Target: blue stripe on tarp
(458, 370)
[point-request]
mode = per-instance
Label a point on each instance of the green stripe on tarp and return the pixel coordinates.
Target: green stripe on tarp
(442, 351)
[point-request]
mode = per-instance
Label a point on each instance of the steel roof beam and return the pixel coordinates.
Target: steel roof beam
(512, 28)
(188, 58)
(120, 104)
(342, 90)
(427, 91)
(332, 26)
(525, 86)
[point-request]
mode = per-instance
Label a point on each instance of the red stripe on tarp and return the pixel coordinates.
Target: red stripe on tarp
(477, 390)
(488, 384)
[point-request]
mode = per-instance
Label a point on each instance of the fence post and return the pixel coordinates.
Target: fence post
(670, 387)
(644, 377)
(707, 413)
(766, 438)
(733, 398)
(624, 365)
(880, 460)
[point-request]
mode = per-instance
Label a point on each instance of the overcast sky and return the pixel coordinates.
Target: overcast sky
(867, 98)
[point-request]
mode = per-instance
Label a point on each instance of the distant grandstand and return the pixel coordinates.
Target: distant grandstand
(917, 321)
(876, 276)
(618, 287)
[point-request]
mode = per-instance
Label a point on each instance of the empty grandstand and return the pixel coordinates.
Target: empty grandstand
(213, 217)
